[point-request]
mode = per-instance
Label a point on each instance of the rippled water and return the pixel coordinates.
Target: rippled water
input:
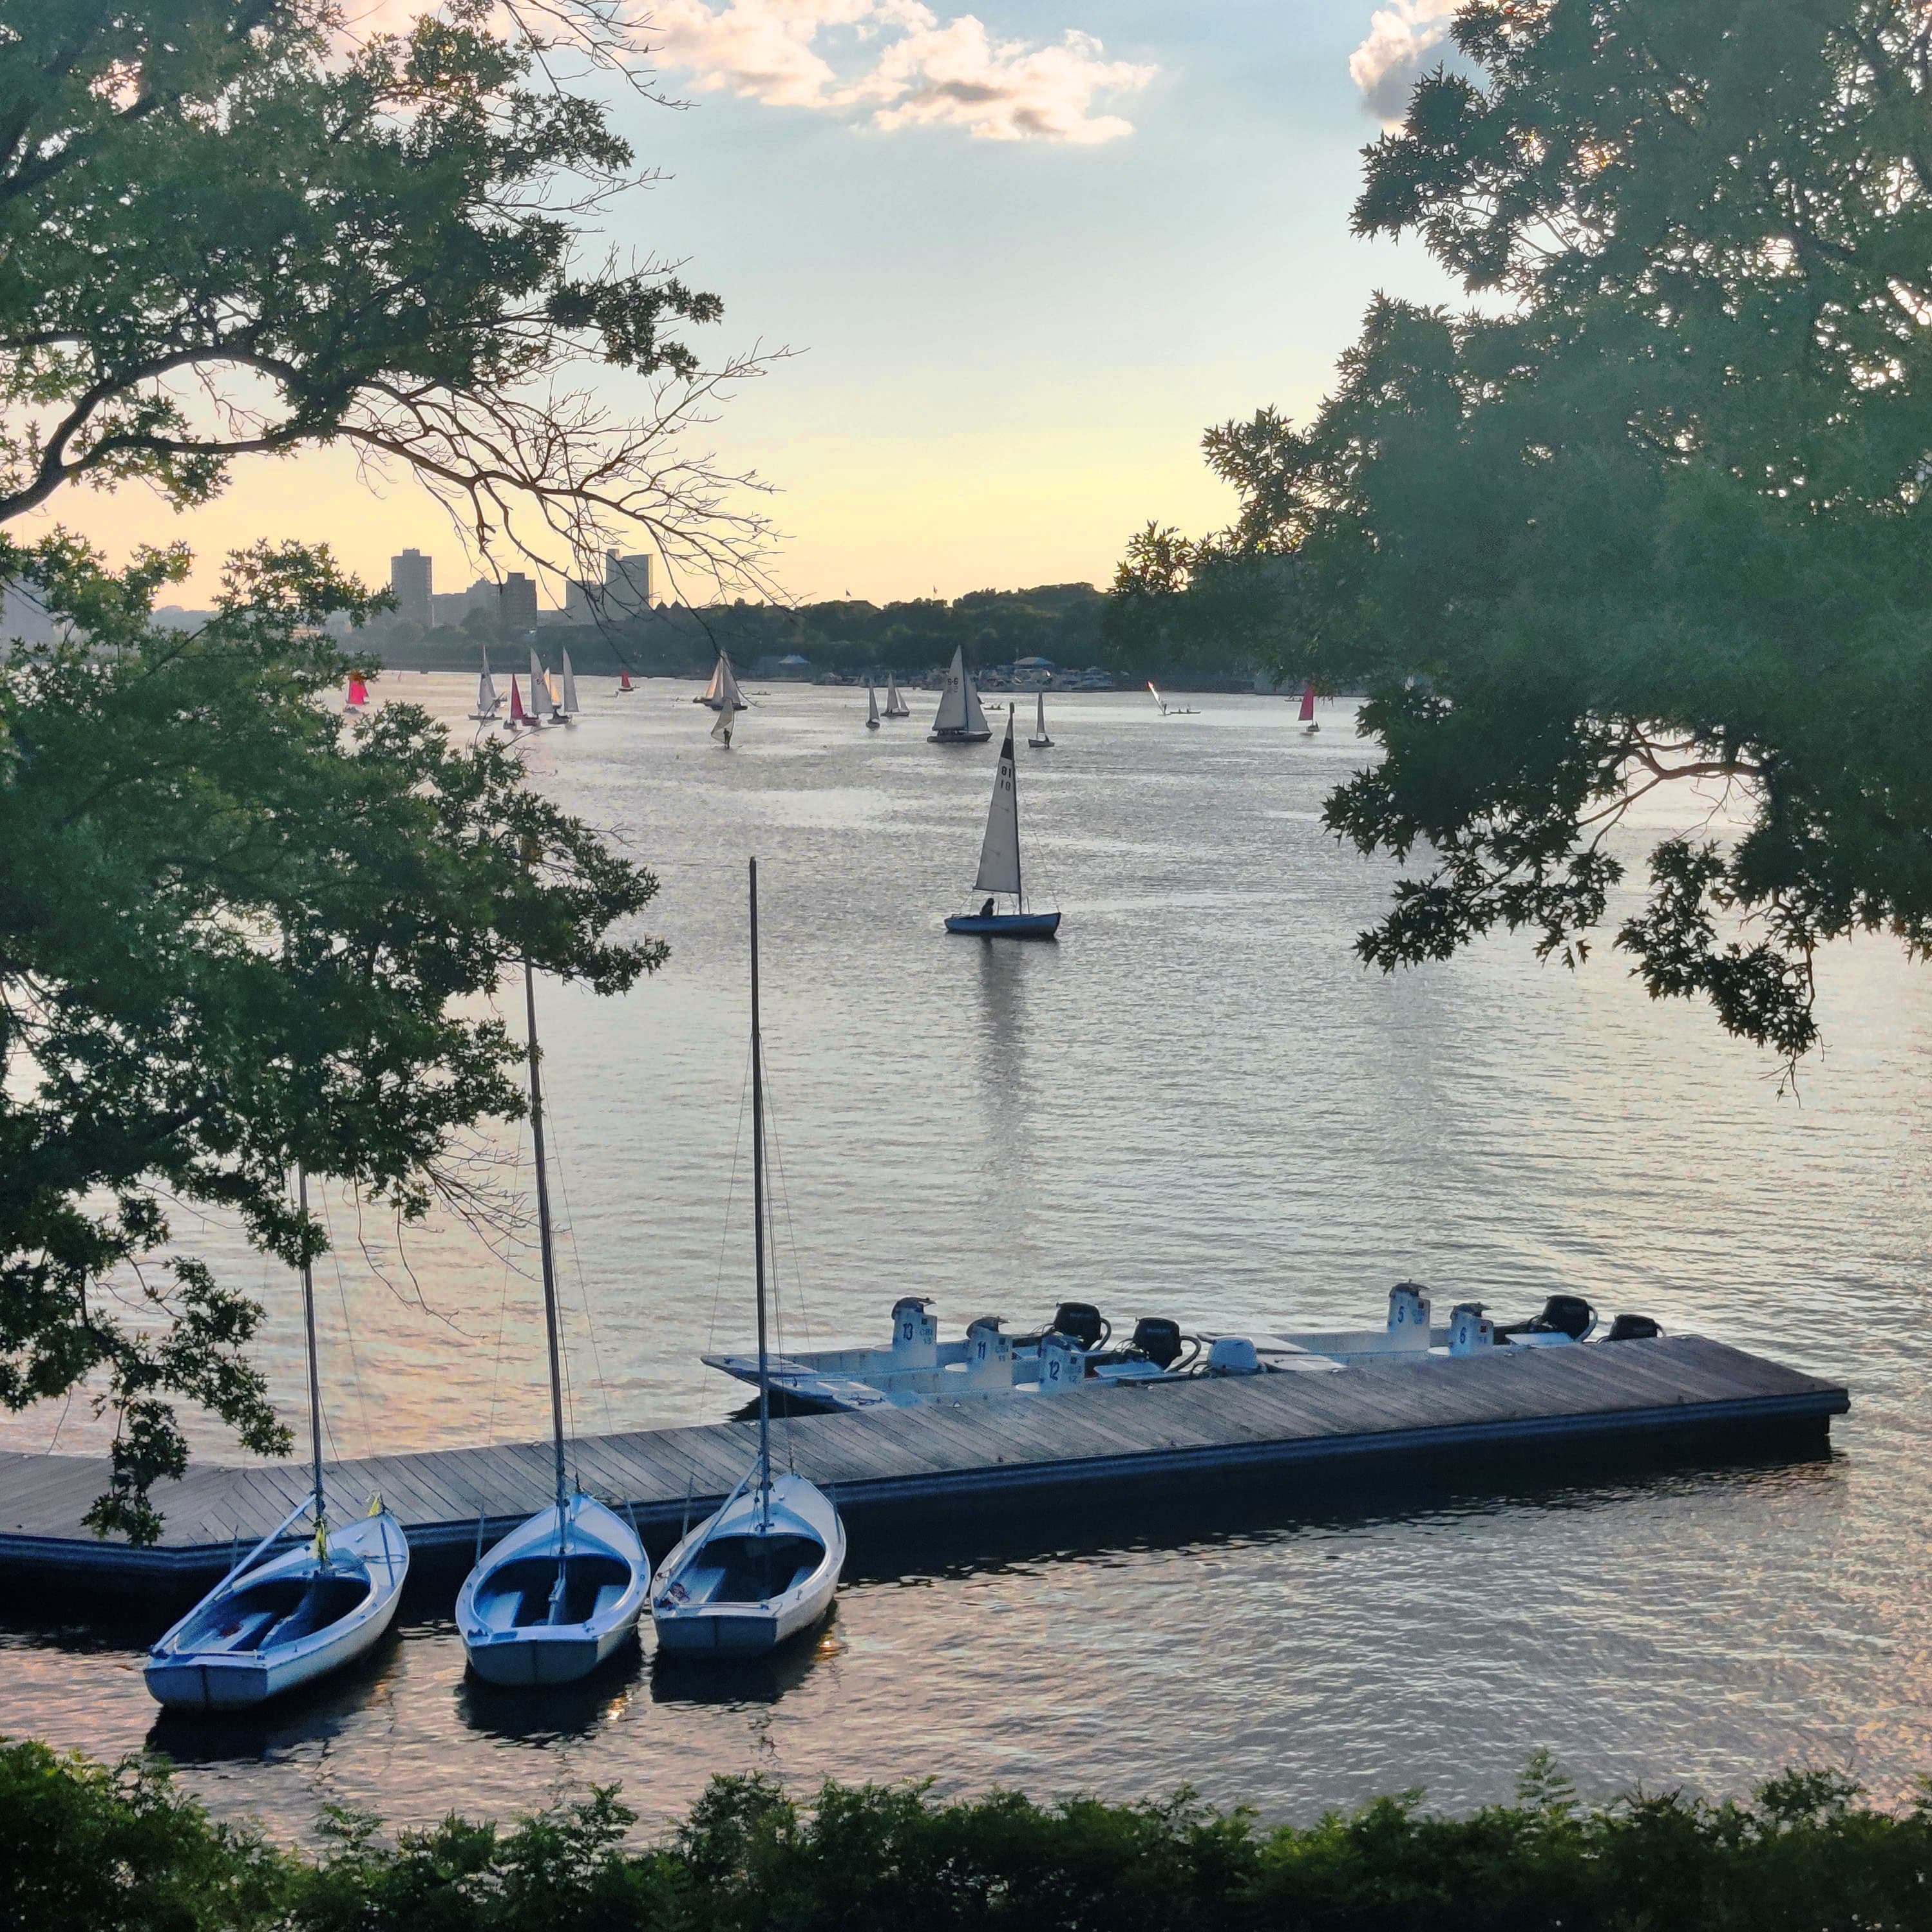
(1197, 1103)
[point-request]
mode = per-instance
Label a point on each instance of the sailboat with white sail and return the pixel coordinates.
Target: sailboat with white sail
(999, 875)
(721, 726)
(270, 1625)
(722, 693)
(871, 709)
(563, 1590)
(539, 691)
(1040, 741)
(489, 701)
(569, 708)
(959, 721)
(895, 704)
(766, 1566)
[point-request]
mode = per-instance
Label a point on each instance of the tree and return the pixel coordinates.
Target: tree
(1654, 513)
(240, 935)
(226, 229)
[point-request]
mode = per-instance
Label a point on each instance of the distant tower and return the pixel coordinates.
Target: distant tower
(517, 602)
(409, 582)
(627, 584)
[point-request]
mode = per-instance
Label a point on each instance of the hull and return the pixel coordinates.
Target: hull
(702, 1606)
(244, 1642)
(516, 1631)
(962, 736)
(1006, 925)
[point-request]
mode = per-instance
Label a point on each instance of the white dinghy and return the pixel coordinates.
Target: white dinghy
(871, 709)
(488, 700)
(895, 706)
(269, 1626)
(563, 1590)
(959, 720)
(766, 1566)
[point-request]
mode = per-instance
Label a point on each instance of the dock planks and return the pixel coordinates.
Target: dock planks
(1203, 1431)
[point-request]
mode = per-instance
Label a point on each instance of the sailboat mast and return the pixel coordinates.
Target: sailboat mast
(314, 1373)
(1019, 878)
(544, 1242)
(758, 1219)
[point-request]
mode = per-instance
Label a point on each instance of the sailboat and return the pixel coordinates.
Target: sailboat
(959, 721)
(871, 709)
(895, 706)
(269, 1626)
(543, 692)
(1040, 741)
(1000, 865)
(721, 729)
(1168, 710)
(488, 699)
(722, 693)
(624, 684)
(1308, 710)
(570, 706)
(518, 716)
(359, 692)
(553, 1600)
(765, 1567)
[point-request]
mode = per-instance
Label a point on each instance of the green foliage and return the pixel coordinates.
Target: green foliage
(240, 933)
(1656, 515)
(81, 1846)
(229, 227)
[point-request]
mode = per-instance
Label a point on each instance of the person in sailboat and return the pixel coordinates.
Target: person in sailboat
(986, 910)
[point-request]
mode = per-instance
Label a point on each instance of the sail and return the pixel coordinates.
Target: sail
(951, 715)
(487, 699)
(976, 718)
(1039, 716)
(1000, 853)
(624, 677)
(539, 684)
(1308, 703)
(895, 706)
(359, 692)
(871, 706)
(721, 730)
(727, 688)
(569, 686)
(516, 714)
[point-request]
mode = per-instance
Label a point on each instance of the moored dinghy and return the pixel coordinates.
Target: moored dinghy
(265, 1630)
(999, 871)
(766, 1565)
(563, 1590)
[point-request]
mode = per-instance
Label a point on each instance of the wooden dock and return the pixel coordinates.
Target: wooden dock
(1266, 1433)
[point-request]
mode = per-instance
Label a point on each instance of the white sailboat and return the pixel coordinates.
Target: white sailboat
(722, 693)
(556, 1596)
(570, 705)
(766, 1566)
(959, 721)
(871, 709)
(721, 727)
(539, 691)
(999, 873)
(895, 706)
(1040, 741)
(269, 1626)
(487, 699)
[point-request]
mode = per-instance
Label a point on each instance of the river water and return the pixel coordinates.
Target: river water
(1197, 1103)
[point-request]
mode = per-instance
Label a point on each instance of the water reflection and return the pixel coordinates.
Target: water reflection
(736, 1683)
(553, 1713)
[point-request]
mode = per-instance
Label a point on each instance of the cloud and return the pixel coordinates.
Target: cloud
(1403, 41)
(896, 64)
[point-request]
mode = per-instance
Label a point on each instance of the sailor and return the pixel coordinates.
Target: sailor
(986, 910)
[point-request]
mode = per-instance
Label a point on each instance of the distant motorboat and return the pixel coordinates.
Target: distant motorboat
(766, 1566)
(489, 700)
(1040, 741)
(959, 721)
(1307, 718)
(871, 709)
(999, 873)
(722, 693)
(895, 705)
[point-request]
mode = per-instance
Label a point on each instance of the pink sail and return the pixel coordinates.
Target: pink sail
(624, 677)
(359, 692)
(517, 716)
(1308, 703)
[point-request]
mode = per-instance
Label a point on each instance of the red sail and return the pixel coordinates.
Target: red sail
(624, 678)
(1308, 703)
(516, 701)
(359, 692)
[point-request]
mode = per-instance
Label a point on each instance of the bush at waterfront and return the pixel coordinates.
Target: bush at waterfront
(86, 1847)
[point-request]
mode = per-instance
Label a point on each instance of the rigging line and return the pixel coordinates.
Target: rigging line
(503, 1305)
(731, 1195)
(561, 1164)
(348, 1334)
(777, 1299)
(791, 1229)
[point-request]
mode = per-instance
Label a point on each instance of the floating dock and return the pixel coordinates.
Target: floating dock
(1261, 1435)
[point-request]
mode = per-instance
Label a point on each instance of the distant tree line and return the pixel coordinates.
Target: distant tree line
(84, 1847)
(848, 637)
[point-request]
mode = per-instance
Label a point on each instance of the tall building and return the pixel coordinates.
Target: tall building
(627, 584)
(410, 576)
(517, 601)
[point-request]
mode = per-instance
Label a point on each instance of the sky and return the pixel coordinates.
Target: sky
(1022, 255)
